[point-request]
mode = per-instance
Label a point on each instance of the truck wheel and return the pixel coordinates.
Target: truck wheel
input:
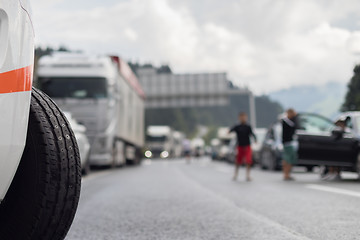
(42, 199)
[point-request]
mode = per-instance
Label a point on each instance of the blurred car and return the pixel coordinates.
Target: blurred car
(257, 146)
(231, 150)
(320, 144)
(215, 147)
(225, 138)
(82, 141)
(198, 147)
(272, 148)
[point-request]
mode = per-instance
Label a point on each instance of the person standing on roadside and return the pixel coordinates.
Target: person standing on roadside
(334, 173)
(289, 126)
(243, 133)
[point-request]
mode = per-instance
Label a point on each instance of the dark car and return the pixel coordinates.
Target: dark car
(320, 144)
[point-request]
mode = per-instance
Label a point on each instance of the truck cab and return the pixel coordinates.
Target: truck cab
(159, 142)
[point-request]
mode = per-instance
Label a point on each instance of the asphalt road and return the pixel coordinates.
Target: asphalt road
(174, 200)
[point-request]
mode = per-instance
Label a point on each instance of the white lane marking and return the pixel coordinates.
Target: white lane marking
(333, 190)
(270, 222)
(262, 219)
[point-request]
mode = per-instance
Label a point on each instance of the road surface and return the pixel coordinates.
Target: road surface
(169, 199)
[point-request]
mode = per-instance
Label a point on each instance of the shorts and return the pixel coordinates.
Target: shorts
(244, 153)
(290, 154)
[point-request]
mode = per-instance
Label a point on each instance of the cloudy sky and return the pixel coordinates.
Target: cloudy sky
(264, 44)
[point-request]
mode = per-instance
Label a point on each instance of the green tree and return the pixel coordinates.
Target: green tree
(352, 98)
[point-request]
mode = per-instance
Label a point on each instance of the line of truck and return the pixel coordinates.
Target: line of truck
(103, 94)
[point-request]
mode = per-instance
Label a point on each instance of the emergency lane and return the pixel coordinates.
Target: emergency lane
(169, 199)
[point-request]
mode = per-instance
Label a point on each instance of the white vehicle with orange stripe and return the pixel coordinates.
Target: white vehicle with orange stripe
(39, 159)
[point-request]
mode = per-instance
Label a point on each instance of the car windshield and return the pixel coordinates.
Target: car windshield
(156, 138)
(74, 87)
(314, 124)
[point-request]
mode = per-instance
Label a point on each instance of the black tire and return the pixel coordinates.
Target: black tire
(42, 199)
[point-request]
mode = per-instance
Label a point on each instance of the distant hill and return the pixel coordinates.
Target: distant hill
(325, 100)
(187, 119)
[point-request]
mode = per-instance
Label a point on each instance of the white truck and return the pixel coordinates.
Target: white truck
(104, 95)
(159, 142)
(225, 138)
(198, 147)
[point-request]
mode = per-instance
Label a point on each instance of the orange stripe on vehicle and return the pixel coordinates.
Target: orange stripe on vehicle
(18, 80)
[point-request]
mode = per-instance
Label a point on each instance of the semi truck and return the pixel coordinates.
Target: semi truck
(159, 142)
(103, 94)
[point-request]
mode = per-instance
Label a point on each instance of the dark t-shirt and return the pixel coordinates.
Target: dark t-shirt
(289, 128)
(243, 133)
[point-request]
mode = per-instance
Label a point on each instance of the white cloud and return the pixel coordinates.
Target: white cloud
(265, 44)
(354, 42)
(130, 34)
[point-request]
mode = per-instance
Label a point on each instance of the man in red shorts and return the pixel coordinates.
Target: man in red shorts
(244, 153)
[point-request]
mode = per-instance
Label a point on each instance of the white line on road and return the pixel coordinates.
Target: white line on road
(262, 219)
(333, 190)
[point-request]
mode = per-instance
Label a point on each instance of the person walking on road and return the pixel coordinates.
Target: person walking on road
(289, 126)
(187, 150)
(243, 133)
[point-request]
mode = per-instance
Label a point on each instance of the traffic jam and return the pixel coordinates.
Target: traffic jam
(77, 115)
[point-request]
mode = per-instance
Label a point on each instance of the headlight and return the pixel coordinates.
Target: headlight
(148, 154)
(164, 154)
